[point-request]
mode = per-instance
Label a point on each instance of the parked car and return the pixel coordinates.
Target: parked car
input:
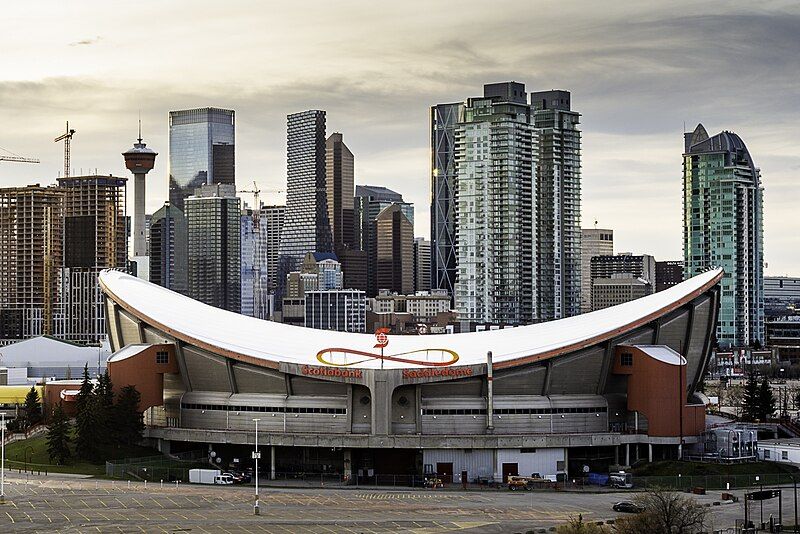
(628, 507)
(528, 483)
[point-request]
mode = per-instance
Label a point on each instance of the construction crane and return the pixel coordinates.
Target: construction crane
(16, 157)
(66, 137)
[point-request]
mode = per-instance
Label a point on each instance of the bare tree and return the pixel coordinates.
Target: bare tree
(576, 525)
(666, 512)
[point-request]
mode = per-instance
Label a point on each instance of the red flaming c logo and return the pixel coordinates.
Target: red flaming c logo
(381, 337)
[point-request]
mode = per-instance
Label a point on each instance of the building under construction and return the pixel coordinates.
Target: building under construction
(95, 238)
(31, 236)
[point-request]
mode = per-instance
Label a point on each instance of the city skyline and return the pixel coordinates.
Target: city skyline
(625, 66)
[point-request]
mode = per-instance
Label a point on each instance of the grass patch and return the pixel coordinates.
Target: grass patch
(674, 468)
(34, 450)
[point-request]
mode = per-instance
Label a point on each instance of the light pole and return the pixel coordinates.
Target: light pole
(256, 456)
(3, 460)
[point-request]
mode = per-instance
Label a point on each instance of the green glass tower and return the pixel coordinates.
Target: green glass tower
(723, 227)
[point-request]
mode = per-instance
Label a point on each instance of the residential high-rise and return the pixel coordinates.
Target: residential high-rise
(370, 201)
(444, 120)
(394, 250)
(202, 146)
(558, 205)
(31, 235)
(668, 273)
(306, 226)
(495, 144)
(594, 242)
(723, 227)
(95, 238)
(214, 246)
(168, 249)
(422, 264)
(272, 218)
(339, 182)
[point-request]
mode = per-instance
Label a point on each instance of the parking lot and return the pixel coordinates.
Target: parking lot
(80, 505)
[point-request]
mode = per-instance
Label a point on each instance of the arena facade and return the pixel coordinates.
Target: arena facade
(558, 398)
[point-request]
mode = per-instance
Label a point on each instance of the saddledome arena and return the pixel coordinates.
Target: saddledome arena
(604, 388)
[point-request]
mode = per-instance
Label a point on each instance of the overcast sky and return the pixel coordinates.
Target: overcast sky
(637, 73)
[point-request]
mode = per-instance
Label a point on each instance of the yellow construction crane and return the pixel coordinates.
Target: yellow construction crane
(256, 192)
(16, 157)
(66, 137)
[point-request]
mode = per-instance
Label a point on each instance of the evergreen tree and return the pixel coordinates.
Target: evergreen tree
(128, 418)
(86, 431)
(105, 408)
(58, 437)
(33, 408)
(751, 399)
(766, 401)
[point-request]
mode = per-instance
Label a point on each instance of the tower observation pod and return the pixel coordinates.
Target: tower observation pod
(139, 160)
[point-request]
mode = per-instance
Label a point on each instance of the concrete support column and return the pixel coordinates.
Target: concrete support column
(489, 395)
(272, 462)
(680, 451)
(650, 452)
(348, 465)
(566, 463)
(627, 454)
(616, 455)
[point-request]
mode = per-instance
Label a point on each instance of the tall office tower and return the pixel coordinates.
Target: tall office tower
(95, 238)
(139, 160)
(495, 145)
(668, 273)
(594, 242)
(214, 246)
(558, 205)
(642, 266)
(202, 146)
(723, 227)
(168, 252)
(339, 182)
(343, 310)
(272, 218)
(444, 120)
(394, 251)
(370, 201)
(306, 226)
(31, 234)
(422, 264)
(255, 288)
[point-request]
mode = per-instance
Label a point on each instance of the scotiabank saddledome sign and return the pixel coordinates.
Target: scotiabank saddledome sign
(344, 357)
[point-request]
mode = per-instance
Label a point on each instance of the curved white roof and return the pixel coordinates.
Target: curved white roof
(235, 335)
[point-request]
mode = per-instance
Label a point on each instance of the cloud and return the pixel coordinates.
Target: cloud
(86, 42)
(636, 73)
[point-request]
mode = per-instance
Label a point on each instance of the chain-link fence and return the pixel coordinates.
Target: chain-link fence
(167, 468)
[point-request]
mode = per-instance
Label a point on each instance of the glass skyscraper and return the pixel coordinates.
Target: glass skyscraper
(306, 227)
(201, 151)
(167, 248)
(723, 227)
(214, 246)
(444, 120)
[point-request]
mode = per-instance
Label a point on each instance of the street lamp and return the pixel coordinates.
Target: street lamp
(3, 459)
(256, 456)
